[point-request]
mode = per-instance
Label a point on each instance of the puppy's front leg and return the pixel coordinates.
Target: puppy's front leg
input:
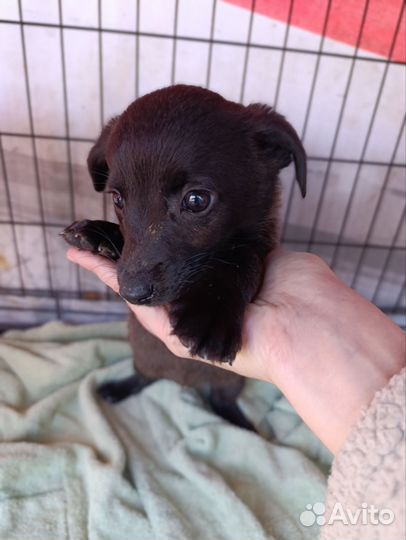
(99, 237)
(208, 317)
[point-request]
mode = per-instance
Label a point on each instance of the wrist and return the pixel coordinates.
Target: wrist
(336, 363)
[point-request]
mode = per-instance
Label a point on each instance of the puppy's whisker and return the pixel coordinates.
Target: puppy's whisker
(99, 172)
(197, 257)
(195, 272)
(224, 262)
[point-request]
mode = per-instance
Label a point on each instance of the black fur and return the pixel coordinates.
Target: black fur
(204, 267)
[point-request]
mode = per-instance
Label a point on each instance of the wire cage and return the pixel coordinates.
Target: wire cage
(334, 69)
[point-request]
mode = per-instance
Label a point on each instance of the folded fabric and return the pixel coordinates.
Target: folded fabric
(159, 465)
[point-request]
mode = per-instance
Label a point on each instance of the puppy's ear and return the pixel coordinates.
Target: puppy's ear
(96, 160)
(278, 142)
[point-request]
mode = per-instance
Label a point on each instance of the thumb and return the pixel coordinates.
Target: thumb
(104, 269)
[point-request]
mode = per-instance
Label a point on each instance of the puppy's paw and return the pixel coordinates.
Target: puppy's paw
(78, 235)
(211, 335)
(111, 392)
(115, 391)
(101, 238)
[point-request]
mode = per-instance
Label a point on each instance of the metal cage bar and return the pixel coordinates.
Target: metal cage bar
(388, 252)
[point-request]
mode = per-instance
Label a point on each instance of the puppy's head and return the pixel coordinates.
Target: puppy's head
(191, 175)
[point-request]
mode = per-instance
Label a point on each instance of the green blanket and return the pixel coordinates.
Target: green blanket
(159, 465)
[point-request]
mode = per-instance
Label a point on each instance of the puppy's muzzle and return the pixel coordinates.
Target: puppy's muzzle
(140, 293)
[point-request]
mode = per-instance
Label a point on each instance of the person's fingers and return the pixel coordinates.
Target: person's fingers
(104, 269)
(156, 321)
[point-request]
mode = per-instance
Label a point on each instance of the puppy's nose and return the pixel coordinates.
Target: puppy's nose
(138, 294)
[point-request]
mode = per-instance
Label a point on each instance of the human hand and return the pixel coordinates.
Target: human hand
(327, 348)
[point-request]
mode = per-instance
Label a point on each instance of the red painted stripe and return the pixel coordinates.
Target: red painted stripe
(344, 21)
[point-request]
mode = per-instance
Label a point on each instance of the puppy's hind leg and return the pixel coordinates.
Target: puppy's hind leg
(116, 391)
(223, 402)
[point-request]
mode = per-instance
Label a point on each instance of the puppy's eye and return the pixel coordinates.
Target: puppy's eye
(196, 200)
(118, 199)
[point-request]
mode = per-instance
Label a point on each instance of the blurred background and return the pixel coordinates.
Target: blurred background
(334, 68)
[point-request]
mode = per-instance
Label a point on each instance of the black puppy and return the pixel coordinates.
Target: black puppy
(194, 181)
